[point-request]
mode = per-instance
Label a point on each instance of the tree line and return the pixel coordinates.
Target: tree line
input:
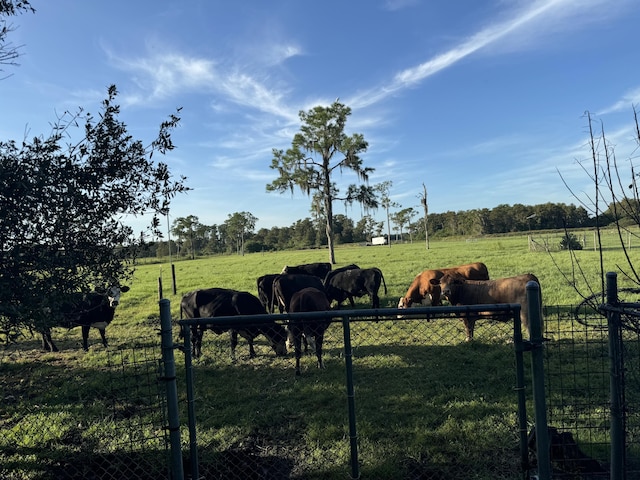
(237, 235)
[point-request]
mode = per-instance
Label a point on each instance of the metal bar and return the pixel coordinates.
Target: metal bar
(615, 376)
(521, 392)
(537, 370)
(168, 359)
(353, 435)
(191, 404)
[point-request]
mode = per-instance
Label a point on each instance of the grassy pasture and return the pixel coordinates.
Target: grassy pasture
(415, 403)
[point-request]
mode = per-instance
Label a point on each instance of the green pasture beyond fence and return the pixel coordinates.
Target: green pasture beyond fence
(423, 404)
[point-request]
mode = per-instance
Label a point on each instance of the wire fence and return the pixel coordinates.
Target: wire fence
(428, 405)
(104, 423)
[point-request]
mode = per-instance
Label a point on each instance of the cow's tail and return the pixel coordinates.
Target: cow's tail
(383, 282)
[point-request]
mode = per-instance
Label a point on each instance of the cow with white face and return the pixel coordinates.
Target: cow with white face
(88, 310)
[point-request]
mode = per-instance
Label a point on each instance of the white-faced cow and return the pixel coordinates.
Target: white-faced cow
(355, 282)
(94, 309)
(460, 291)
(423, 291)
(223, 302)
(308, 299)
(319, 270)
(284, 286)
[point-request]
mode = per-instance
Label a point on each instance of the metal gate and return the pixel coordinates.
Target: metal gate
(394, 401)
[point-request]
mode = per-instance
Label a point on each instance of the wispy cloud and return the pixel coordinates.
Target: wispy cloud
(168, 74)
(626, 103)
(521, 22)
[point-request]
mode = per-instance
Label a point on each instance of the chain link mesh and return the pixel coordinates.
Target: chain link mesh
(104, 423)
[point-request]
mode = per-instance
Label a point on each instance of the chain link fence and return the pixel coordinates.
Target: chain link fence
(105, 423)
(428, 405)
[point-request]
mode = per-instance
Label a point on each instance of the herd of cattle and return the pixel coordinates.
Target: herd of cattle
(315, 286)
(310, 287)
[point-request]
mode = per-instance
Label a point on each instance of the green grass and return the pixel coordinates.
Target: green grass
(426, 401)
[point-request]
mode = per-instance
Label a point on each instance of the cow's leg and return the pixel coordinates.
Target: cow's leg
(375, 300)
(353, 303)
(85, 337)
(233, 340)
(297, 345)
(319, 341)
(196, 341)
(103, 336)
(47, 341)
(469, 325)
(250, 336)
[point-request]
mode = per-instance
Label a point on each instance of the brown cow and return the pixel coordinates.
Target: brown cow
(460, 291)
(309, 299)
(422, 289)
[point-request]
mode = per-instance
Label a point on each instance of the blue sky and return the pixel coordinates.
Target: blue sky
(483, 101)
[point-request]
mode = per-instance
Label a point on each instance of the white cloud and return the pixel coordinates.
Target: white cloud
(522, 25)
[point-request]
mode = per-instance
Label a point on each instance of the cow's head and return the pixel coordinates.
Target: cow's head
(113, 294)
(449, 285)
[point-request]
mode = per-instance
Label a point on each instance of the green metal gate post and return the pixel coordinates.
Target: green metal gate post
(168, 359)
(615, 378)
(534, 305)
(348, 359)
(191, 407)
(520, 390)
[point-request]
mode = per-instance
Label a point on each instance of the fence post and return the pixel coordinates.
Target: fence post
(191, 408)
(537, 371)
(348, 359)
(615, 379)
(520, 390)
(168, 359)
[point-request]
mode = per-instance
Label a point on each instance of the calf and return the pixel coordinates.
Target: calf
(94, 309)
(355, 282)
(309, 299)
(422, 289)
(223, 302)
(460, 291)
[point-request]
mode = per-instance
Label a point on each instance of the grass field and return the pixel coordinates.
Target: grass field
(420, 395)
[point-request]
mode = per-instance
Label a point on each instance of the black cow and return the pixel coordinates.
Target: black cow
(319, 270)
(355, 282)
(265, 291)
(94, 309)
(308, 300)
(284, 286)
(223, 302)
(332, 273)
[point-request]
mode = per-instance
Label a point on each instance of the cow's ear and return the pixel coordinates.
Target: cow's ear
(434, 281)
(124, 289)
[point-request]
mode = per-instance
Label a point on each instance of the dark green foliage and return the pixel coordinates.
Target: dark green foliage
(63, 199)
(570, 242)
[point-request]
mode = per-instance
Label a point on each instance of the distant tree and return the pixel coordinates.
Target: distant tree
(363, 231)
(402, 218)
(425, 207)
(188, 230)
(385, 200)
(317, 151)
(239, 225)
(9, 53)
(63, 207)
